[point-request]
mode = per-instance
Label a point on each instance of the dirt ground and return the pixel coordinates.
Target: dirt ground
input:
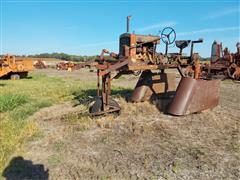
(141, 143)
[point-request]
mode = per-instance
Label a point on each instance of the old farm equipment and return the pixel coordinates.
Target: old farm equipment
(40, 64)
(70, 66)
(14, 68)
(137, 53)
(65, 66)
(234, 68)
(223, 64)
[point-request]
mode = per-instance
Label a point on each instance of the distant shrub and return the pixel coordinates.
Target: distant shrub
(64, 56)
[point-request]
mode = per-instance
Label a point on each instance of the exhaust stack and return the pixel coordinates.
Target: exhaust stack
(128, 23)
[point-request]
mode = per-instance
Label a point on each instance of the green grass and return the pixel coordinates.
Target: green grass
(9, 101)
(54, 160)
(58, 146)
(22, 98)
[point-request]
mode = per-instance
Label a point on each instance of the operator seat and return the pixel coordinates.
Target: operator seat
(181, 44)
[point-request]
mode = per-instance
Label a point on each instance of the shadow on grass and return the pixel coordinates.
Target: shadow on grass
(28, 77)
(6, 78)
(1, 85)
(19, 168)
(84, 96)
(162, 101)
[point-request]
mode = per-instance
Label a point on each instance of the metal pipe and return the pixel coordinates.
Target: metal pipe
(128, 23)
(98, 83)
(166, 50)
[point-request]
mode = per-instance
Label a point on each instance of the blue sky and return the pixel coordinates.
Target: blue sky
(85, 27)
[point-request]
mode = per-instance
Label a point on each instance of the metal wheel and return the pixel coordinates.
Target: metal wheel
(14, 77)
(97, 108)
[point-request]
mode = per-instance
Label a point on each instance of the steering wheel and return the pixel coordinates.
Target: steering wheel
(168, 35)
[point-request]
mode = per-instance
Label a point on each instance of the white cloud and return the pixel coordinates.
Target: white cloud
(156, 26)
(209, 30)
(225, 12)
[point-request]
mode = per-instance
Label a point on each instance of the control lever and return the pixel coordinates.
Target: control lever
(192, 45)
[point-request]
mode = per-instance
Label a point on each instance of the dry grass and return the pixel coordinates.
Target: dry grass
(19, 100)
(140, 143)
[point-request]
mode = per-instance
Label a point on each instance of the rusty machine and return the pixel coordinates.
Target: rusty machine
(234, 68)
(65, 66)
(137, 53)
(223, 64)
(40, 64)
(15, 68)
(70, 66)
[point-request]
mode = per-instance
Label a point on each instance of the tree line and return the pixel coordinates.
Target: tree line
(63, 56)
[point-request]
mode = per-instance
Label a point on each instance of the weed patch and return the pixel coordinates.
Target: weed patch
(21, 99)
(9, 101)
(54, 159)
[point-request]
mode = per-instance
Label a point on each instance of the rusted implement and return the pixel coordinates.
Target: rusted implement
(234, 68)
(65, 66)
(234, 71)
(39, 64)
(223, 64)
(88, 64)
(137, 53)
(70, 66)
(15, 68)
(194, 95)
(152, 85)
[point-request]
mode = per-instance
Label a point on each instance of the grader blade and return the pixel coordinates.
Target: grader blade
(152, 85)
(194, 95)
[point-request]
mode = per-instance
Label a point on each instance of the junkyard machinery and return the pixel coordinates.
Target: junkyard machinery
(138, 54)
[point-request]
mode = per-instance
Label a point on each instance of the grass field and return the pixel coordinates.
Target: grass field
(43, 122)
(20, 99)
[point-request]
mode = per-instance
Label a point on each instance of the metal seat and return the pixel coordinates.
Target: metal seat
(181, 44)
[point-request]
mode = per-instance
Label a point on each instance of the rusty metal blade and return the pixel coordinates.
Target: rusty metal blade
(194, 95)
(152, 84)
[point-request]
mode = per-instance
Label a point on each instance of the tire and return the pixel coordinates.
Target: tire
(97, 106)
(15, 77)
